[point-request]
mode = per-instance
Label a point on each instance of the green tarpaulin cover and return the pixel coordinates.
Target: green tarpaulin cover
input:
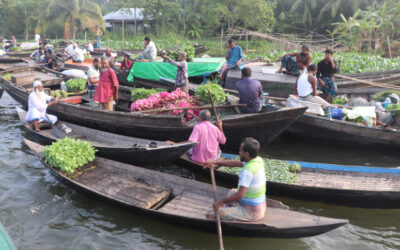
(155, 70)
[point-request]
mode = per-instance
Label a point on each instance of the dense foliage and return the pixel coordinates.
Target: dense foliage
(275, 170)
(217, 92)
(69, 154)
(189, 50)
(74, 85)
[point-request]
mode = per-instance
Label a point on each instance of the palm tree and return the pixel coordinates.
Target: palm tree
(346, 26)
(339, 6)
(75, 14)
(307, 6)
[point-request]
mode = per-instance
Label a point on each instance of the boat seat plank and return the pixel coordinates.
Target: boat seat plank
(350, 182)
(133, 191)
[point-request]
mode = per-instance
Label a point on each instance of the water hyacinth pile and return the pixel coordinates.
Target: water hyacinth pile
(217, 92)
(275, 171)
(77, 84)
(175, 99)
(69, 154)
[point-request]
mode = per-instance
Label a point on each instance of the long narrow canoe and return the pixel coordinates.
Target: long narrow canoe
(112, 146)
(357, 186)
(264, 126)
(5, 240)
(183, 201)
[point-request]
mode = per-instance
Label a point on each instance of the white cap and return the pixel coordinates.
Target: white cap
(36, 83)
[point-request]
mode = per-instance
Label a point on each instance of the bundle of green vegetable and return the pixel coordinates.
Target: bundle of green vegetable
(15, 49)
(59, 94)
(217, 92)
(189, 50)
(381, 96)
(275, 171)
(69, 154)
(142, 93)
(394, 109)
(341, 101)
(7, 76)
(77, 84)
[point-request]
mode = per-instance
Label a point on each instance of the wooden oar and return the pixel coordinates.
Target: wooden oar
(221, 243)
(381, 85)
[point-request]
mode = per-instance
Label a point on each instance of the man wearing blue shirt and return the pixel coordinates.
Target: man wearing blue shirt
(234, 56)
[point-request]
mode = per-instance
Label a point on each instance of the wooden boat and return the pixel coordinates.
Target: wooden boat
(368, 187)
(281, 85)
(1, 92)
(11, 62)
(183, 201)
(264, 126)
(112, 146)
(328, 130)
(5, 240)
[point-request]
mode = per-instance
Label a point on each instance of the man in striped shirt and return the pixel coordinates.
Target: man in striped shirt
(248, 202)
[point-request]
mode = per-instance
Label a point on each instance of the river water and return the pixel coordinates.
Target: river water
(41, 213)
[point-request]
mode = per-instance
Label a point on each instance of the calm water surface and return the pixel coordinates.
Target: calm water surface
(41, 213)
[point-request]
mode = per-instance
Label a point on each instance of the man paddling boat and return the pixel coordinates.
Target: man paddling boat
(38, 103)
(248, 202)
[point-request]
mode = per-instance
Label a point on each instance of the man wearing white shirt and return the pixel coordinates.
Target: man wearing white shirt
(69, 50)
(150, 51)
(37, 38)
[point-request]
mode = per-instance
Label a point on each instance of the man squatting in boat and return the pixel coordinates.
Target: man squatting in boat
(294, 63)
(248, 201)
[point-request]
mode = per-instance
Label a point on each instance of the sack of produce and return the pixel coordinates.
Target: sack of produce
(358, 102)
(75, 73)
(313, 108)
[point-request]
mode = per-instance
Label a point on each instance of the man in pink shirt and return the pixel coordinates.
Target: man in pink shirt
(107, 88)
(208, 138)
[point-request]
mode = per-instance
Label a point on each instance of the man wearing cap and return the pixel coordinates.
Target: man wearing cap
(107, 88)
(37, 106)
(182, 75)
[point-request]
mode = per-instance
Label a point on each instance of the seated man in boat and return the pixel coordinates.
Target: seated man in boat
(51, 60)
(306, 87)
(292, 66)
(182, 75)
(107, 88)
(69, 50)
(325, 73)
(37, 105)
(248, 202)
(250, 92)
(126, 64)
(93, 76)
(150, 51)
(38, 55)
(234, 57)
(208, 138)
(77, 55)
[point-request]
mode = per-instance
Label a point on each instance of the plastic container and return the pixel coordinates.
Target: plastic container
(336, 113)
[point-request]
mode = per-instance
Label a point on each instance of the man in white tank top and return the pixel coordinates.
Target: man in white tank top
(306, 87)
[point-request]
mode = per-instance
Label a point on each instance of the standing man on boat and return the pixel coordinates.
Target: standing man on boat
(38, 103)
(150, 51)
(303, 60)
(97, 34)
(13, 42)
(234, 57)
(182, 75)
(306, 87)
(250, 92)
(208, 138)
(93, 76)
(325, 75)
(248, 201)
(107, 88)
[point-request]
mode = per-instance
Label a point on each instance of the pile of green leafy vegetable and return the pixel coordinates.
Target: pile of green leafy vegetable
(189, 50)
(358, 119)
(69, 154)
(381, 96)
(341, 101)
(394, 109)
(15, 49)
(142, 93)
(7, 76)
(275, 171)
(77, 84)
(59, 94)
(217, 92)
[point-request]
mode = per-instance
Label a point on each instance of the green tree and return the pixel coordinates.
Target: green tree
(75, 14)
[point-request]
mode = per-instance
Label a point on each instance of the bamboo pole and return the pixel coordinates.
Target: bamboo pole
(123, 32)
(220, 42)
(247, 41)
(390, 50)
(381, 85)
